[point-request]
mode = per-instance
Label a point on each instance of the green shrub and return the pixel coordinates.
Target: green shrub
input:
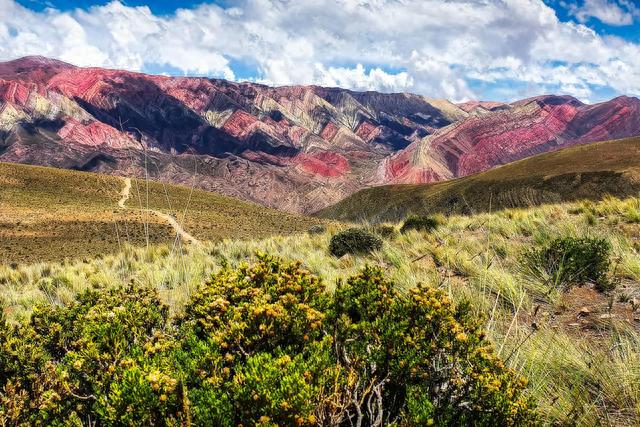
(279, 304)
(317, 229)
(420, 223)
(264, 325)
(385, 231)
(100, 358)
(354, 241)
(569, 261)
(259, 345)
(419, 358)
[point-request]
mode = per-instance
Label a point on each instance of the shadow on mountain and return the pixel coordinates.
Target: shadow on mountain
(145, 111)
(96, 162)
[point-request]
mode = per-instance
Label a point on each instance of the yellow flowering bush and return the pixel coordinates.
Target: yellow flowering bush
(418, 359)
(259, 345)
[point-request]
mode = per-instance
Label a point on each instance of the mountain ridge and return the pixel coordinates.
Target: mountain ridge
(297, 148)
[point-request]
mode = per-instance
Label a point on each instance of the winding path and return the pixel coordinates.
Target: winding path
(184, 235)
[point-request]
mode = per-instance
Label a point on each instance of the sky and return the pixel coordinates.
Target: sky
(499, 50)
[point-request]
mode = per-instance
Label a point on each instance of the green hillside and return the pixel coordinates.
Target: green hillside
(50, 214)
(582, 172)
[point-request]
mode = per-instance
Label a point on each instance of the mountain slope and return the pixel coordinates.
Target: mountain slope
(511, 132)
(319, 144)
(48, 214)
(583, 172)
(297, 148)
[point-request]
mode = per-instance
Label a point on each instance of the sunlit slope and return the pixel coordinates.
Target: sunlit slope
(583, 172)
(49, 214)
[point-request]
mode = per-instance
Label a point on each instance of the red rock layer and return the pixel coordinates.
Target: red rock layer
(94, 134)
(523, 129)
(324, 163)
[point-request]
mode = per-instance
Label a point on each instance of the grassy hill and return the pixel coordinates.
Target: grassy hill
(582, 172)
(50, 214)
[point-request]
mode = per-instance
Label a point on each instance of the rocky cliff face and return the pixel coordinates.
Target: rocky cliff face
(297, 148)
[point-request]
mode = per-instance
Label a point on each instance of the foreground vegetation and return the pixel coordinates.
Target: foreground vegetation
(49, 214)
(578, 346)
(260, 345)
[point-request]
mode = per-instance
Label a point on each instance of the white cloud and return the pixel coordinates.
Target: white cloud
(359, 79)
(430, 47)
(612, 12)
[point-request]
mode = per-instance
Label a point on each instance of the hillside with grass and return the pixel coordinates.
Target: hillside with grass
(540, 303)
(51, 214)
(582, 172)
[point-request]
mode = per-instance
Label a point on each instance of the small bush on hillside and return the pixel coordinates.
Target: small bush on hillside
(569, 261)
(354, 241)
(632, 215)
(317, 229)
(259, 345)
(590, 218)
(385, 231)
(420, 223)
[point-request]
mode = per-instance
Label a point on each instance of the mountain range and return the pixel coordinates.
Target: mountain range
(296, 148)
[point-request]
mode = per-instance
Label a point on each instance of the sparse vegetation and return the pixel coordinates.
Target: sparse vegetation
(356, 241)
(50, 214)
(317, 229)
(386, 231)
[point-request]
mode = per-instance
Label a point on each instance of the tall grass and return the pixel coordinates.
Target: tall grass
(577, 376)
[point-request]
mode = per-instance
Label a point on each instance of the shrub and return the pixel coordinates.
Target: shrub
(418, 358)
(569, 261)
(264, 323)
(99, 358)
(317, 229)
(385, 231)
(258, 345)
(354, 241)
(420, 223)
(279, 304)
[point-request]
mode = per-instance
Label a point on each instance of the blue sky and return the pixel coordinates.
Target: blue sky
(160, 7)
(455, 49)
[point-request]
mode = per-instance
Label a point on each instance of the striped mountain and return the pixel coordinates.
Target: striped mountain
(298, 148)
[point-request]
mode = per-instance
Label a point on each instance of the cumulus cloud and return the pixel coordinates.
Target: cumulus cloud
(360, 79)
(457, 49)
(612, 12)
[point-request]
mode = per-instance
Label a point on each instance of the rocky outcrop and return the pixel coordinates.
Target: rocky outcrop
(298, 148)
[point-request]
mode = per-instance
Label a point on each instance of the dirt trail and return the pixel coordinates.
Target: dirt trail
(125, 193)
(184, 235)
